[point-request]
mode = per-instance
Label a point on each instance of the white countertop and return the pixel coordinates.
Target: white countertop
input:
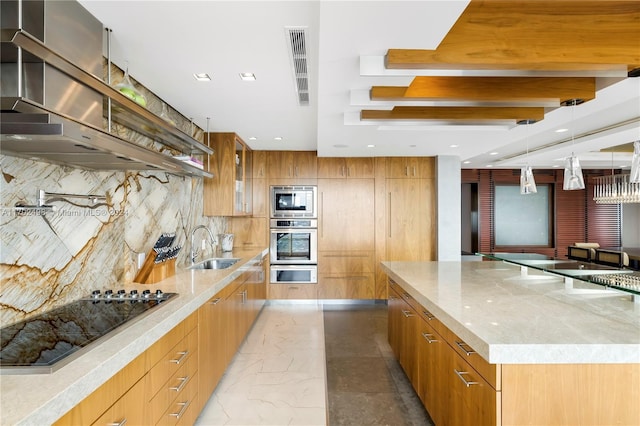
(510, 319)
(39, 399)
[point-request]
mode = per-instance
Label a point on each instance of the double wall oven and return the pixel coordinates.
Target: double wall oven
(294, 235)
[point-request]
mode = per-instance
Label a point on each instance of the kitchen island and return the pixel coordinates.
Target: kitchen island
(529, 349)
(39, 399)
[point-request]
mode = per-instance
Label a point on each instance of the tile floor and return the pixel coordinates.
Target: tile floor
(309, 364)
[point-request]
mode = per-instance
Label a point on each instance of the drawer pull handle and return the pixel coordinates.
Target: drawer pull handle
(183, 382)
(465, 348)
(215, 301)
(179, 414)
(461, 374)
(407, 314)
(406, 295)
(293, 288)
(428, 314)
(429, 338)
(183, 356)
(120, 423)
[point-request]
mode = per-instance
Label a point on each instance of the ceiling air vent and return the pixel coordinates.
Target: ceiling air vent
(297, 46)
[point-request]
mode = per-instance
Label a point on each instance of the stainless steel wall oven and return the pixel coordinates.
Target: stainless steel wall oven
(293, 245)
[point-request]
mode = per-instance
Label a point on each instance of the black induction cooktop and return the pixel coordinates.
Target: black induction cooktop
(40, 343)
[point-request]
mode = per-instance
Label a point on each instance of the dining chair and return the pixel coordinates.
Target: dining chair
(618, 259)
(580, 253)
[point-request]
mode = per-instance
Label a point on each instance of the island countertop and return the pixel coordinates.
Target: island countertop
(38, 399)
(513, 319)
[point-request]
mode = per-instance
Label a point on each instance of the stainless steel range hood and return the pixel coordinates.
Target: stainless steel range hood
(30, 131)
(53, 107)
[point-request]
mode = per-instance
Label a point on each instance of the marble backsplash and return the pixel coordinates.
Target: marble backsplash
(48, 260)
(51, 259)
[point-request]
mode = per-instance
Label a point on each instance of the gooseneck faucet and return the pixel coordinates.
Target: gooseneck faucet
(194, 250)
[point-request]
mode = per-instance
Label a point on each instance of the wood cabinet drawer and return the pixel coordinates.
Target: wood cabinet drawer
(131, 409)
(488, 371)
(293, 291)
(346, 261)
(159, 349)
(346, 286)
(183, 409)
(174, 388)
(169, 365)
(473, 401)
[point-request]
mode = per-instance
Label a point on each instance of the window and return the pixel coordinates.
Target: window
(523, 220)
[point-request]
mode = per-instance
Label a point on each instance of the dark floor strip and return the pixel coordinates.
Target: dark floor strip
(366, 385)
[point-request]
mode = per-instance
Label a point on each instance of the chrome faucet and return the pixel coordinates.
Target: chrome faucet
(194, 250)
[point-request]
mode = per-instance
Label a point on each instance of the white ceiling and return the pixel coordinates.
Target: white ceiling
(166, 42)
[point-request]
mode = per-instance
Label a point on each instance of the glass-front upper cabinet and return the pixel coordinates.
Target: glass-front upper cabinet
(228, 192)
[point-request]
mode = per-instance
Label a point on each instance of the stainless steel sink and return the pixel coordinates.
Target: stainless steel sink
(215, 263)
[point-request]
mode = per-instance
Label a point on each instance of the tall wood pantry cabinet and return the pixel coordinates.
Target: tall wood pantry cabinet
(346, 232)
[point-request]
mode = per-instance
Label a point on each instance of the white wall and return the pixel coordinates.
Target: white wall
(631, 225)
(448, 208)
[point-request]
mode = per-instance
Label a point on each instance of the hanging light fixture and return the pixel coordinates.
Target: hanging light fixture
(620, 188)
(573, 178)
(527, 182)
(635, 163)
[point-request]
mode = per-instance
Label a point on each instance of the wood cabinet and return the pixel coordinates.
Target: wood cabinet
(346, 167)
(459, 387)
(292, 164)
(346, 238)
(452, 391)
(172, 380)
(410, 220)
(410, 167)
(432, 371)
(130, 409)
(346, 274)
(133, 391)
(229, 192)
(403, 325)
(293, 291)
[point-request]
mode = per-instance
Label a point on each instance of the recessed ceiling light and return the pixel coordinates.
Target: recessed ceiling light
(371, 146)
(252, 138)
(203, 76)
(489, 165)
(340, 145)
(562, 130)
(453, 146)
(555, 166)
(493, 153)
(412, 146)
(466, 162)
(248, 76)
(277, 138)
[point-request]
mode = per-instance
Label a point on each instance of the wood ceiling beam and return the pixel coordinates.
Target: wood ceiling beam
(490, 89)
(455, 113)
(554, 35)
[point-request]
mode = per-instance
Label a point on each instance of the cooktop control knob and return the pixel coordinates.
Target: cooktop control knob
(159, 294)
(108, 294)
(146, 293)
(95, 294)
(133, 294)
(122, 294)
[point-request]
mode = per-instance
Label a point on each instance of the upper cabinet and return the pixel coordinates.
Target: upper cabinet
(410, 167)
(292, 164)
(228, 193)
(349, 167)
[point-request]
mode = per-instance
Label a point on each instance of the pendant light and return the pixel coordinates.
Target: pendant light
(573, 178)
(635, 163)
(527, 182)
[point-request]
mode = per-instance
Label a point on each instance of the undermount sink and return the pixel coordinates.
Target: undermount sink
(215, 263)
